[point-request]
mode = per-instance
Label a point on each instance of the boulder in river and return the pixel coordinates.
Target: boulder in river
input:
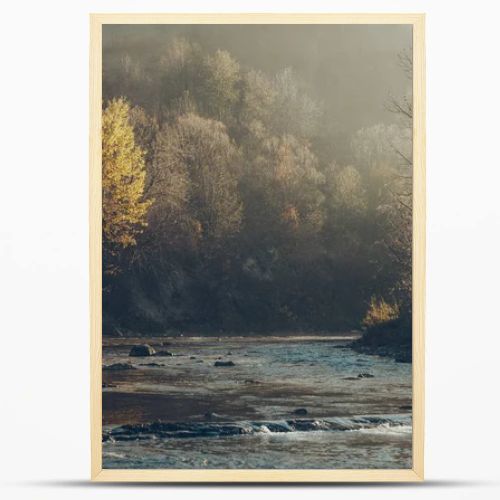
(210, 415)
(365, 375)
(164, 353)
(142, 350)
(119, 366)
(224, 363)
(251, 381)
(300, 411)
(107, 437)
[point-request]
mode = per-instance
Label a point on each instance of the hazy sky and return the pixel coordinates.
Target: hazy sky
(350, 69)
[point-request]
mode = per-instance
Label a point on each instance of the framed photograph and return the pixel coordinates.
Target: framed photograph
(257, 247)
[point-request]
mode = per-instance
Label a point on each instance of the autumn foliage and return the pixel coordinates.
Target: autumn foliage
(123, 176)
(224, 207)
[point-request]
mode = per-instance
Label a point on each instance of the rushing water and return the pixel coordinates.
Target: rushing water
(183, 412)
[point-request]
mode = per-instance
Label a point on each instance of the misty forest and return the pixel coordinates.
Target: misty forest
(235, 201)
(257, 247)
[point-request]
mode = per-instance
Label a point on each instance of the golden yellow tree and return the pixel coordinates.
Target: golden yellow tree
(123, 176)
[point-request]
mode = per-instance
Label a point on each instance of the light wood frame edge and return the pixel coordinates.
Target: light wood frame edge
(95, 254)
(419, 248)
(419, 245)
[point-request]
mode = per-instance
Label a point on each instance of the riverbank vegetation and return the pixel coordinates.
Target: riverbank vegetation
(225, 207)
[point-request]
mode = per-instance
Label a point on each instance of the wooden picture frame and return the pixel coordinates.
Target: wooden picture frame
(238, 475)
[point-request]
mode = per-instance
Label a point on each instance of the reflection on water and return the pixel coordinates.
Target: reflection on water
(271, 379)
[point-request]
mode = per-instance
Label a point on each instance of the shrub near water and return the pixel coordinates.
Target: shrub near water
(380, 312)
(388, 331)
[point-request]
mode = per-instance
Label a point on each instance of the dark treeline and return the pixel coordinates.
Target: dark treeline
(226, 210)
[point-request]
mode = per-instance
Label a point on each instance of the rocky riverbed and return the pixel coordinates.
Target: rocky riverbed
(253, 402)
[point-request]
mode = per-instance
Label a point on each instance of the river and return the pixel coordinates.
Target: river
(286, 402)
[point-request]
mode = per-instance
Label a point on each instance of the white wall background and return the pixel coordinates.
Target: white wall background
(44, 360)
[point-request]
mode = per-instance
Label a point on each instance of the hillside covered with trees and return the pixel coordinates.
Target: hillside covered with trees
(226, 209)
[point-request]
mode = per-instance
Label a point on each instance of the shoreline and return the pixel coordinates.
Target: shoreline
(174, 333)
(340, 336)
(400, 354)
